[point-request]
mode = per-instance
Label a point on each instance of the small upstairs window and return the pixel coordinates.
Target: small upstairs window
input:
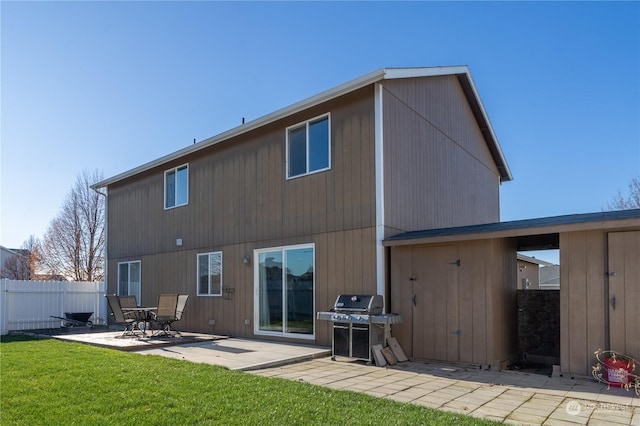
(309, 147)
(176, 187)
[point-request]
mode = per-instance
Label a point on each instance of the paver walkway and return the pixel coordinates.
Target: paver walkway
(510, 397)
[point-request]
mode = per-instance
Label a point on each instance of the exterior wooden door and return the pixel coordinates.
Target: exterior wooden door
(624, 292)
(434, 303)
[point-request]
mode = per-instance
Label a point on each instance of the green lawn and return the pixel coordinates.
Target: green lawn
(48, 382)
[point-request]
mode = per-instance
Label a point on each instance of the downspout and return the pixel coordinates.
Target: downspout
(106, 239)
(379, 185)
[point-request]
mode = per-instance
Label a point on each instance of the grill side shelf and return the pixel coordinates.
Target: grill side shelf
(386, 319)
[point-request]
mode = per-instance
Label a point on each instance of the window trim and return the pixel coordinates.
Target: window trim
(256, 292)
(129, 262)
(306, 124)
(209, 284)
(175, 170)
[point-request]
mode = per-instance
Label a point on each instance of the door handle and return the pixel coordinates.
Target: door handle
(414, 299)
(613, 302)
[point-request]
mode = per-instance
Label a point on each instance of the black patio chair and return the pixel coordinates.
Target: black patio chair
(119, 316)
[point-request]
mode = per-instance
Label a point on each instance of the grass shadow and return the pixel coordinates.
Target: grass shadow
(10, 338)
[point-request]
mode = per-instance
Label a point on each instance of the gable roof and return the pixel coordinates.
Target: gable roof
(14, 251)
(461, 72)
(517, 228)
(550, 275)
(530, 259)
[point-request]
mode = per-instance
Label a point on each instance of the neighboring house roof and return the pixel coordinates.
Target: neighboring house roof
(461, 72)
(530, 259)
(550, 275)
(6, 253)
(21, 252)
(517, 228)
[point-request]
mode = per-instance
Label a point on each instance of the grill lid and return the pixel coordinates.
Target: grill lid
(371, 304)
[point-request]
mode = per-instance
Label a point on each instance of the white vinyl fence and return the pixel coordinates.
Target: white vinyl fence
(30, 305)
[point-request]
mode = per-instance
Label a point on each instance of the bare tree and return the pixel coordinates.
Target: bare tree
(16, 267)
(632, 201)
(23, 266)
(73, 245)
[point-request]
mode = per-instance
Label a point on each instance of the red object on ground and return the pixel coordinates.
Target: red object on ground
(617, 371)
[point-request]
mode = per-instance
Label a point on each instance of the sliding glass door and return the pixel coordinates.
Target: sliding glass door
(129, 279)
(284, 290)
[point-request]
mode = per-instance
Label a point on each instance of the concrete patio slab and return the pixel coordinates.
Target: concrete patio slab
(241, 354)
(232, 353)
(115, 340)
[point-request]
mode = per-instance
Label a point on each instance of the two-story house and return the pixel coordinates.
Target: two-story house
(265, 224)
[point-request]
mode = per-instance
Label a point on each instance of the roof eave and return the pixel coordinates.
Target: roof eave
(473, 97)
(327, 95)
(486, 128)
(555, 224)
(342, 89)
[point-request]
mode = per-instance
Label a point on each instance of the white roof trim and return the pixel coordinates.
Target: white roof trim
(396, 73)
(485, 116)
(350, 86)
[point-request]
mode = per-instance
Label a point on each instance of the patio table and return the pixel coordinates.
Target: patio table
(145, 313)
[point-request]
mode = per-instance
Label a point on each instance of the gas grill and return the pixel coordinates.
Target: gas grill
(358, 324)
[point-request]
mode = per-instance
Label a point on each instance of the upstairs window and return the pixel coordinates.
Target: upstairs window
(176, 187)
(308, 147)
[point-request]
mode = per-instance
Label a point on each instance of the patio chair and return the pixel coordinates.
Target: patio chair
(182, 302)
(170, 309)
(127, 302)
(119, 317)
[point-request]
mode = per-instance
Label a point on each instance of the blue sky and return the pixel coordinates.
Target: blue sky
(112, 85)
